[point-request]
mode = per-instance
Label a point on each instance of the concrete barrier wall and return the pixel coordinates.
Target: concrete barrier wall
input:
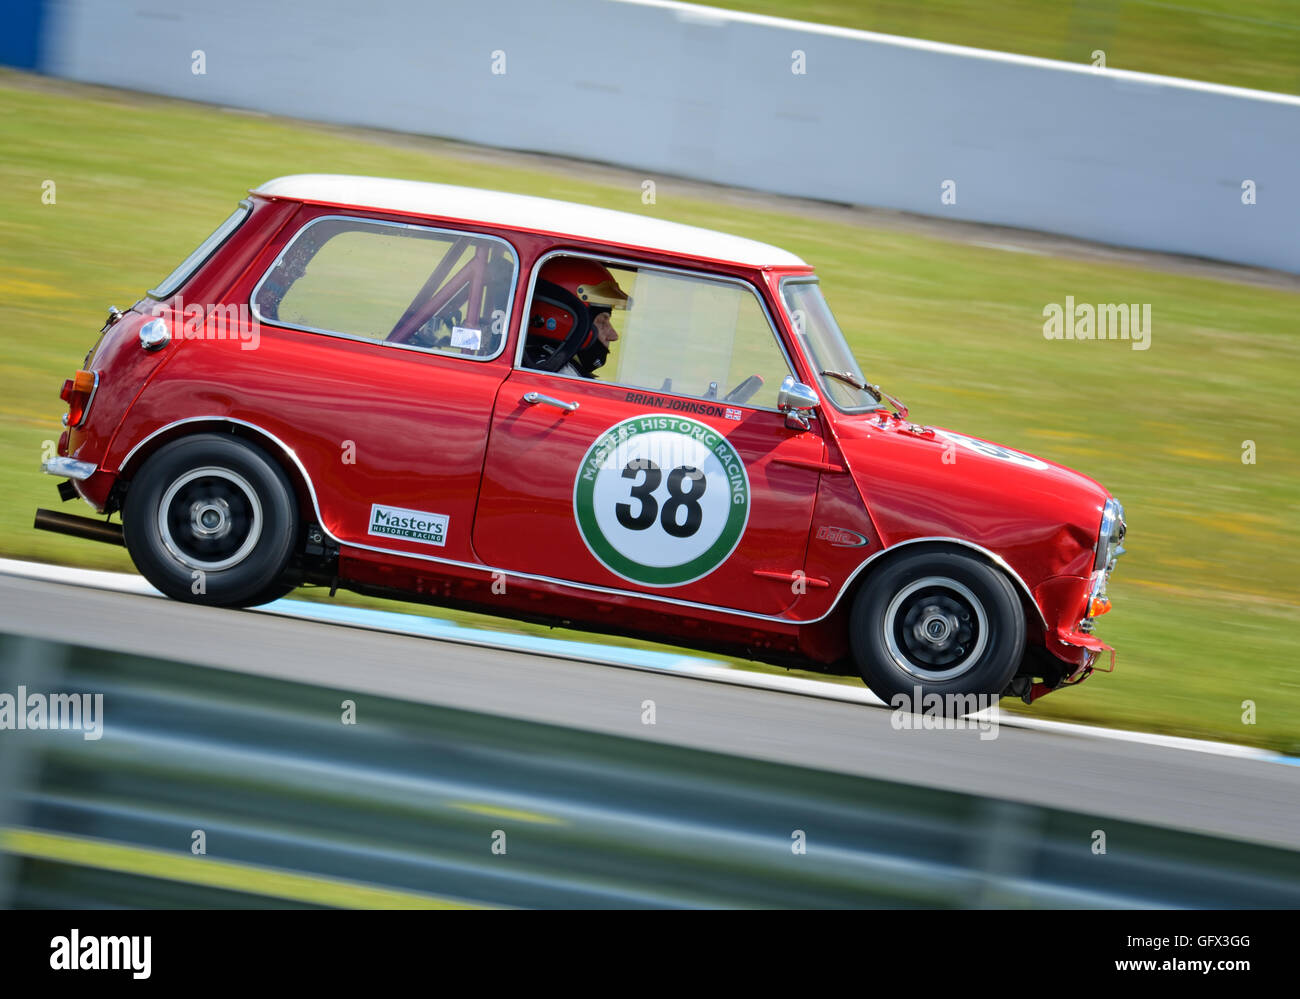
(1122, 158)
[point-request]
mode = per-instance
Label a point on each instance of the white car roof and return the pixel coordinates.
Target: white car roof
(520, 211)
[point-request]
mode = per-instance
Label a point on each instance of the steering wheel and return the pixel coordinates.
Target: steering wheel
(565, 301)
(744, 390)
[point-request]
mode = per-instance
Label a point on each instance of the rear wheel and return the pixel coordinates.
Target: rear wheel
(212, 519)
(941, 621)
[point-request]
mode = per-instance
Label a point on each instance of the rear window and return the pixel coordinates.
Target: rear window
(173, 281)
(403, 285)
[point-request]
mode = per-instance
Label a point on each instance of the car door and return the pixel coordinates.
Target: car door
(647, 478)
(388, 331)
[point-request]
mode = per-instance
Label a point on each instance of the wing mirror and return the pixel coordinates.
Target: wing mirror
(796, 400)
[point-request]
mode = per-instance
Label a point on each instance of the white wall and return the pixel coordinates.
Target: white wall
(1122, 158)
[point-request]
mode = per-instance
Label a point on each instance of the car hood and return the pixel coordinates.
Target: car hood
(921, 482)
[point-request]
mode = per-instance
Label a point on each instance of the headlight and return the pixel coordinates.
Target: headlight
(1110, 546)
(1110, 540)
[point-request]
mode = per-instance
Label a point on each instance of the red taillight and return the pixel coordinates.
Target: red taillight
(77, 392)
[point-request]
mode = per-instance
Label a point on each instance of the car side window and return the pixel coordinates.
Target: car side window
(409, 285)
(678, 333)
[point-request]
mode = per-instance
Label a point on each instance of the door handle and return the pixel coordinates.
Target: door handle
(533, 398)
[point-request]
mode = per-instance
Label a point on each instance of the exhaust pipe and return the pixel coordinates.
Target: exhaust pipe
(79, 527)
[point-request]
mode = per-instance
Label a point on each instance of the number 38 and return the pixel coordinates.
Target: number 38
(685, 487)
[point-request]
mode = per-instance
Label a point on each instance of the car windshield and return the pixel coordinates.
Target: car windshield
(823, 345)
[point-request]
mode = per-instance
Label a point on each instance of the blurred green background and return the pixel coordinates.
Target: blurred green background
(1241, 43)
(1208, 597)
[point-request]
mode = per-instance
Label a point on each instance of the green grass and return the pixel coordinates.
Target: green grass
(1207, 598)
(1242, 43)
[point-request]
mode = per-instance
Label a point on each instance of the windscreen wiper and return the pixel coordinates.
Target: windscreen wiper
(848, 379)
(874, 391)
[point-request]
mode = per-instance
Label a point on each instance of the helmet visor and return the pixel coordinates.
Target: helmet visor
(607, 293)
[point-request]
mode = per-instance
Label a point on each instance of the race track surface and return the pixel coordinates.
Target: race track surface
(1243, 798)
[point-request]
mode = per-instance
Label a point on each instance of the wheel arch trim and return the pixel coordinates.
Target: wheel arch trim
(992, 556)
(285, 450)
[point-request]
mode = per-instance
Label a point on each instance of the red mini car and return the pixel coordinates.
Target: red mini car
(564, 414)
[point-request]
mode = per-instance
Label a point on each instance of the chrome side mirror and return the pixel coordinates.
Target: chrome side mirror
(796, 400)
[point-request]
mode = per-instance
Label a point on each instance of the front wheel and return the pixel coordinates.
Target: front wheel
(937, 622)
(211, 519)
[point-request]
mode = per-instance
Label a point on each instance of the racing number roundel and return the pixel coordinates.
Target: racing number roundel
(661, 500)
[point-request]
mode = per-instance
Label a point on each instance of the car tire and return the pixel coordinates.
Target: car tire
(212, 519)
(280, 588)
(942, 621)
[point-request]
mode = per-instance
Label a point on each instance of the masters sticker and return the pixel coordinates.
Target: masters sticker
(661, 500)
(413, 525)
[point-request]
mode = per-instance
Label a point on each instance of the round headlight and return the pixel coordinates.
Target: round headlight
(1110, 539)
